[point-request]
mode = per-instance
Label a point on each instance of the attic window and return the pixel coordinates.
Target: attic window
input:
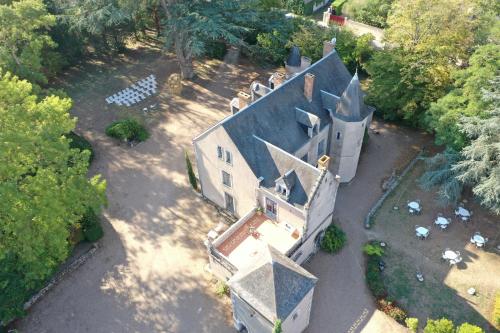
(281, 189)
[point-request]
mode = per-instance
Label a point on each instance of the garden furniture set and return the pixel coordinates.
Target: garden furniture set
(135, 93)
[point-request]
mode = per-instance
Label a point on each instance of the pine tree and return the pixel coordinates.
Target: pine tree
(191, 175)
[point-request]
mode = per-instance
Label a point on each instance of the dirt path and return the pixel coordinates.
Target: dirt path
(149, 274)
(342, 302)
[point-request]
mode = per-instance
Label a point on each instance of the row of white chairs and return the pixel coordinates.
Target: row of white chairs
(135, 93)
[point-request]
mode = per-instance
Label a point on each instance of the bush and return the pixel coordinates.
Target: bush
(91, 226)
(392, 310)
(127, 129)
(277, 326)
(496, 311)
(221, 289)
(192, 178)
(374, 278)
(296, 6)
(468, 328)
(373, 249)
(442, 325)
(79, 142)
(372, 12)
(412, 324)
(334, 239)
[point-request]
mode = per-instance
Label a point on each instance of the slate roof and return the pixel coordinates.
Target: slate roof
(273, 284)
(294, 57)
(351, 106)
(267, 129)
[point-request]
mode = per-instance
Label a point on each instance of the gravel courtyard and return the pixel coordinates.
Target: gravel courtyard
(148, 275)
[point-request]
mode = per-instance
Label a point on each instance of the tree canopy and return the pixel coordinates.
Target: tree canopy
(43, 186)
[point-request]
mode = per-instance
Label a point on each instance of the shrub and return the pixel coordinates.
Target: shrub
(412, 324)
(221, 289)
(392, 310)
(79, 142)
(127, 129)
(91, 226)
(496, 311)
(374, 278)
(296, 6)
(468, 328)
(334, 239)
(191, 175)
(442, 325)
(277, 326)
(373, 249)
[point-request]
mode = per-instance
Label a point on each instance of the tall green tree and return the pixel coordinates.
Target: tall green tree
(480, 164)
(24, 26)
(190, 24)
(43, 186)
(466, 97)
(429, 39)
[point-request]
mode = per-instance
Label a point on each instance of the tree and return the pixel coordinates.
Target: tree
(24, 27)
(468, 328)
(480, 164)
(442, 325)
(190, 24)
(105, 21)
(372, 12)
(277, 326)
(429, 40)
(465, 98)
(191, 175)
(43, 186)
(440, 173)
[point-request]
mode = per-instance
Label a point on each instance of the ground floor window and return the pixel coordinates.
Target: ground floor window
(229, 202)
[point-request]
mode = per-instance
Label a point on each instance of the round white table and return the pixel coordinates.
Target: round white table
(450, 255)
(414, 205)
(422, 231)
(441, 220)
(462, 212)
(478, 239)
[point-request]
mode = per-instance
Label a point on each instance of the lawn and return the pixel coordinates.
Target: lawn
(444, 291)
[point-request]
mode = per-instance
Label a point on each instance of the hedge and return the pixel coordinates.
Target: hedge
(334, 239)
(127, 129)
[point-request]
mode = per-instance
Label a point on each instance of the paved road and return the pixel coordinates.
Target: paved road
(342, 302)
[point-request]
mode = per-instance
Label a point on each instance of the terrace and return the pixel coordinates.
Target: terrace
(245, 238)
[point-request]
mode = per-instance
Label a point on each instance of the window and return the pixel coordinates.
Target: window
(321, 148)
(228, 199)
(297, 256)
(226, 179)
(295, 315)
(229, 157)
(338, 135)
(281, 189)
(220, 152)
(271, 207)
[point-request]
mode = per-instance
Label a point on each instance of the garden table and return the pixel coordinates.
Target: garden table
(422, 232)
(450, 255)
(414, 205)
(441, 221)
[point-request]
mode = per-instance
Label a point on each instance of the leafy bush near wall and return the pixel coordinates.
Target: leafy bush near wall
(222, 289)
(334, 239)
(391, 309)
(91, 226)
(412, 324)
(127, 129)
(372, 12)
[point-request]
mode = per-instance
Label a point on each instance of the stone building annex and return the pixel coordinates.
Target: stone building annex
(276, 164)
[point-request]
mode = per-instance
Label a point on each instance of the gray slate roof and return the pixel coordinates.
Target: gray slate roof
(351, 106)
(273, 285)
(294, 57)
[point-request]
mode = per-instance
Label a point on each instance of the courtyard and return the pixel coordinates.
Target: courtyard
(444, 292)
(149, 272)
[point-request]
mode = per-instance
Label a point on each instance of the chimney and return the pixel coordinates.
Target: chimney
(324, 162)
(308, 86)
(243, 99)
(328, 46)
(278, 79)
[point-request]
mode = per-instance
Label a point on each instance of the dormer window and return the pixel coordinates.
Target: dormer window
(281, 190)
(284, 184)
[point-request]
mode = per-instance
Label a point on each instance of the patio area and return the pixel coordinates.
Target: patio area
(457, 256)
(253, 234)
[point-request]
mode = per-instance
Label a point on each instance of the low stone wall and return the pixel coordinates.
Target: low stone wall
(390, 188)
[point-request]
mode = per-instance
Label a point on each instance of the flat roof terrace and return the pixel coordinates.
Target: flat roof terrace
(253, 235)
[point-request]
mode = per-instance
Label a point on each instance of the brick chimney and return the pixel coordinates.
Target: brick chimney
(324, 162)
(309, 86)
(278, 79)
(243, 99)
(328, 46)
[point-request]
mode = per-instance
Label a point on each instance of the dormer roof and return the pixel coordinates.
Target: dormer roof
(294, 57)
